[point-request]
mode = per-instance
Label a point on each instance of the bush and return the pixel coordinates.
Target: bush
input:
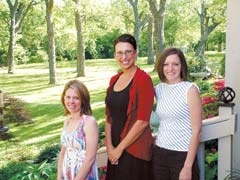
(9, 170)
(44, 171)
(49, 154)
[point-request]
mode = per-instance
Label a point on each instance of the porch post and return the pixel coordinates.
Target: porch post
(232, 66)
(225, 143)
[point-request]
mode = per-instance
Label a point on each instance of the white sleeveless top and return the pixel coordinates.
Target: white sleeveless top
(175, 130)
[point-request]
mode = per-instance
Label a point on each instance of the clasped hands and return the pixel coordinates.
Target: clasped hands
(114, 154)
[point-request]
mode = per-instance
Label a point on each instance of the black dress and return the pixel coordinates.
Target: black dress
(129, 167)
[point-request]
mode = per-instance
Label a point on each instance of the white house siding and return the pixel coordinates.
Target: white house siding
(232, 68)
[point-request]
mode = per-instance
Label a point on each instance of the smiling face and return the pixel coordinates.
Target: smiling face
(72, 101)
(172, 66)
(125, 54)
(172, 69)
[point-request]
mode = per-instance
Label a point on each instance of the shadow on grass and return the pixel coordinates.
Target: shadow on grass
(25, 84)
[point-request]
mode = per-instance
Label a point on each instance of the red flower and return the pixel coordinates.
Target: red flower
(208, 99)
(218, 85)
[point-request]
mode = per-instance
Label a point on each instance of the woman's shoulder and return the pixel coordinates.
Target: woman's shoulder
(66, 121)
(191, 85)
(90, 124)
(141, 72)
(142, 76)
(89, 120)
(160, 85)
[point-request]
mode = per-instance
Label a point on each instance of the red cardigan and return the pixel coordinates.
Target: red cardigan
(141, 98)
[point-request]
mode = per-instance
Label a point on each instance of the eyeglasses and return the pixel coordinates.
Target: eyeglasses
(127, 53)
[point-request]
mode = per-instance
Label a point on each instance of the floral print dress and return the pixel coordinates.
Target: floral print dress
(75, 153)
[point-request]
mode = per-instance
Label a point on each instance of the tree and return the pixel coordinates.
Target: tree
(181, 25)
(139, 18)
(51, 42)
(150, 41)
(3, 33)
(211, 15)
(158, 13)
(80, 43)
(18, 11)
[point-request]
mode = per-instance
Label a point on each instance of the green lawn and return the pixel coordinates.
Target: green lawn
(30, 83)
(42, 102)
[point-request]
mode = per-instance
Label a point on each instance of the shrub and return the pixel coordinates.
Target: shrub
(49, 154)
(44, 171)
(12, 168)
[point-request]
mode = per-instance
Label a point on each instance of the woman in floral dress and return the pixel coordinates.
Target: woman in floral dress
(79, 138)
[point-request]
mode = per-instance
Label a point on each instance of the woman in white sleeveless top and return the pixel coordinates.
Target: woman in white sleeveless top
(179, 109)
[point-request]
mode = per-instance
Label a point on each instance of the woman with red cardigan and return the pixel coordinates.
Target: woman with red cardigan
(129, 101)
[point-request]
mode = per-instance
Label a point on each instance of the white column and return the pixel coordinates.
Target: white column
(232, 67)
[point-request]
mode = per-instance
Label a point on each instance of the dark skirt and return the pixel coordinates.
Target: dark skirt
(167, 164)
(129, 168)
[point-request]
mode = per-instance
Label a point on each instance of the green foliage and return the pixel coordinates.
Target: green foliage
(104, 45)
(10, 169)
(21, 55)
(49, 154)
(24, 170)
(222, 67)
(205, 86)
(15, 152)
(193, 64)
(217, 41)
(216, 62)
(211, 166)
(42, 171)
(36, 141)
(38, 56)
(101, 24)
(101, 126)
(211, 159)
(2, 57)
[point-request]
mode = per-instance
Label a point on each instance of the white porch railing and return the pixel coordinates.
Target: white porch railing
(221, 127)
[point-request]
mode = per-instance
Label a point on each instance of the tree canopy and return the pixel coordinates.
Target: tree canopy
(102, 22)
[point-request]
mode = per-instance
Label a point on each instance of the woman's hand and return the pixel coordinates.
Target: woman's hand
(185, 174)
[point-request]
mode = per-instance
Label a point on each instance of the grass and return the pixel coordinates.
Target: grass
(41, 100)
(30, 83)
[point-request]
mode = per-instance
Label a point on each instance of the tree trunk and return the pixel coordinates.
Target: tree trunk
(11, 47)
(150, 41)
(51, 42)
(137, 23)
(201, 47)
(18, 11)
(80, 43)
(206, 29)
(158, 19)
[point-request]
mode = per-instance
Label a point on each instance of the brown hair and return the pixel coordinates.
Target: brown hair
(83, 94)
(162, 58)
(126, 38)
